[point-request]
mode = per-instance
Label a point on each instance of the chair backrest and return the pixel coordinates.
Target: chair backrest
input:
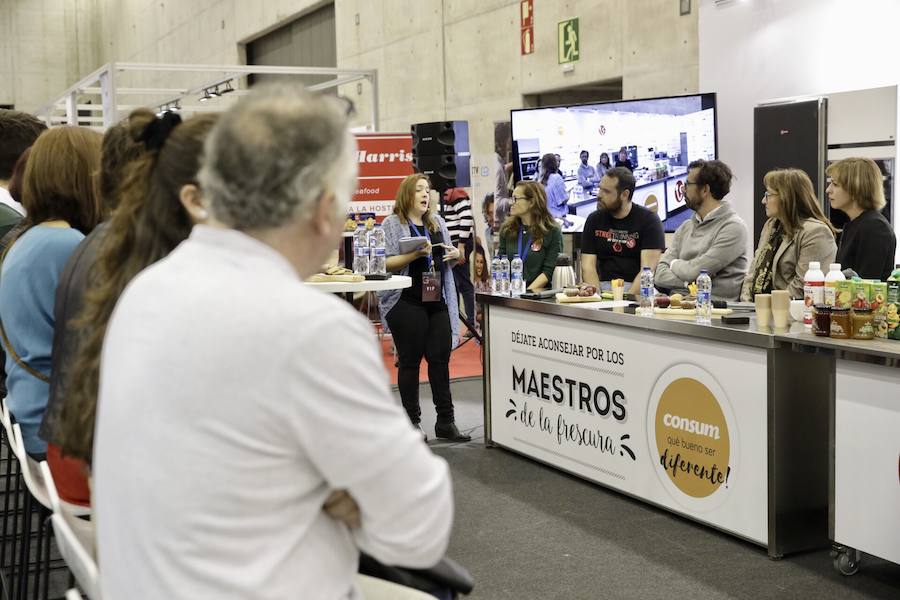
(7, 425)
(74, 538)
(31, 472)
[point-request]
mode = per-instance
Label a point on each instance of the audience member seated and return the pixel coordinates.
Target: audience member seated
(795, 234)
(868, 242)
(247, 444)
(148, 225)
(715, 238)
(62, 205)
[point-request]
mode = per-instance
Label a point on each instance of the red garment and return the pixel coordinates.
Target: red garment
(70, 477)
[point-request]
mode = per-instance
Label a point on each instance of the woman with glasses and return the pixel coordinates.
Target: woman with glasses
(531, 233)
(795, 234)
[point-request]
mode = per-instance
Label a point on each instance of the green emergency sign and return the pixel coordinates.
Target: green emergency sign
(567, 41)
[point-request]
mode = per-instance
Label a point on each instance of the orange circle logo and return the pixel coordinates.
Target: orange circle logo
(692, 438)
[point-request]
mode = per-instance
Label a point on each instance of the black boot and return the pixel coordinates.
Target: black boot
(448, 431)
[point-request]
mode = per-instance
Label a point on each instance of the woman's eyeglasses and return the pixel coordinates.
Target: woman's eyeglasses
(517, 198)
(767, 193)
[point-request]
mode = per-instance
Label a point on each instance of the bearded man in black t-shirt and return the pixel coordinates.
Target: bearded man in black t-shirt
(620, 238)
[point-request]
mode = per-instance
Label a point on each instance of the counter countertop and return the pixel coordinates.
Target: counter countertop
(798, 337)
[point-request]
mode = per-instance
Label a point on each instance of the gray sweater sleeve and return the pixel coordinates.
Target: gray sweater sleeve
(664, 276)
(728, 246)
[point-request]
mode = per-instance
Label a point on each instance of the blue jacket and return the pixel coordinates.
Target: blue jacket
(393, 231)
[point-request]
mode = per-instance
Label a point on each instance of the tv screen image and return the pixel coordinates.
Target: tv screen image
(656, 137)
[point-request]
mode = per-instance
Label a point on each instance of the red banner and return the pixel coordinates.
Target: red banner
(384, 160)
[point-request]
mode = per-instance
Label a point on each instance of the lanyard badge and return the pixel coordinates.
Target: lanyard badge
(523, 252)
(431, 280)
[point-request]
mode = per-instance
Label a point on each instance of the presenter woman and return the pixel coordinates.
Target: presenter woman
(423, 318)
(532, 233)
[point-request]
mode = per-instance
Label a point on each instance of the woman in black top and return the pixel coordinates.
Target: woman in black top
(867, 241)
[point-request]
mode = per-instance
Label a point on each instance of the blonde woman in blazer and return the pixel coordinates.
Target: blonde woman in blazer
(796, 234)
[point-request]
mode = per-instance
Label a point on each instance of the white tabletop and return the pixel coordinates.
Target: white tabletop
(396, 282)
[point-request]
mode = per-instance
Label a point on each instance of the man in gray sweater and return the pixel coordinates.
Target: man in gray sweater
(714, 238)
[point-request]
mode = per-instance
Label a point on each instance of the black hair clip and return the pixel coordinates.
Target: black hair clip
(157, 132)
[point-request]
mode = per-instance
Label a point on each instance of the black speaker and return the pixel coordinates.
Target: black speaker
(445, 170)
(443, 137)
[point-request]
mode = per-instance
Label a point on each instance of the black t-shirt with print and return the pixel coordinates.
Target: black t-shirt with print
(617, 243)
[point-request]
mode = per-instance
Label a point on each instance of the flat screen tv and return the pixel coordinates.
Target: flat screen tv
(657, 137)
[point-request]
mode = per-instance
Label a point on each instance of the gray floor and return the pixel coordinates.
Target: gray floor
(526, 531)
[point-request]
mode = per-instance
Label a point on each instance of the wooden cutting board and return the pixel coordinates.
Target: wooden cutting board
(563, 299)
(681, 313)
(323, 278)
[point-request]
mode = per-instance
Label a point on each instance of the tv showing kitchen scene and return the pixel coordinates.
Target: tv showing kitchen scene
(655, 137)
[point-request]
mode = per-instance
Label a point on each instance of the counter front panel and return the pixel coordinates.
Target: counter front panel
(677, 421)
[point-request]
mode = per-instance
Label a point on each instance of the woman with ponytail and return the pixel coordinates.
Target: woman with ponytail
(158, 204)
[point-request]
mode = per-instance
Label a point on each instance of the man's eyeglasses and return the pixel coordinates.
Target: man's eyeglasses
(687, 183)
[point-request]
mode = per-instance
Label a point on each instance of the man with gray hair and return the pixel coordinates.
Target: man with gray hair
(247, 445)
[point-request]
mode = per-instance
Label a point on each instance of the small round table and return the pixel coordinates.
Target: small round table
(396, 282)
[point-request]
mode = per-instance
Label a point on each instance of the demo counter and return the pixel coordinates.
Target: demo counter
(726, 425)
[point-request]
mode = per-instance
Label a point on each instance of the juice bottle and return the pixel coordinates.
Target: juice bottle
(831, 278)
(893, 305)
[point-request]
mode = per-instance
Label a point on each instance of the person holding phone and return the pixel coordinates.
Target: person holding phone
(532, 233)
(423, 318)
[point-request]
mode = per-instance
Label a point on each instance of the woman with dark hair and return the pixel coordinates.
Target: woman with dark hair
(797, 233)
(62, 206)
(552, 180)
(532, 234)
(603, 166)
(423, 318)
(159, 203)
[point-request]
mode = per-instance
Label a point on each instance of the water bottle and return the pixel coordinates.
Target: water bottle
(813, 290)
(495, 274)
(361, 250)
(646, 308)
(517, 281)
(377, 252)
(503, 286)
(704, 298)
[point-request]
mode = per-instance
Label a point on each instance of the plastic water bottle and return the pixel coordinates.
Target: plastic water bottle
(377, 252)
(517, 281)
(361, 250)
(831, 278)
(704, 298)
(647, 300)
(495, 274)
(503, 283)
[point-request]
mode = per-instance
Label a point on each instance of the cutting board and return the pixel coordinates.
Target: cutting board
(323, 278)
(681, 313)
(563, 299)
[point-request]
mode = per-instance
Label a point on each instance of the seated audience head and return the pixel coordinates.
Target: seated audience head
(18, 131)
(529, 208)
(616, 189)
(281, 166)
(158, 204)
(18, 174)
(59, 180)
(856, 186)
(118, 150)
(791, 199)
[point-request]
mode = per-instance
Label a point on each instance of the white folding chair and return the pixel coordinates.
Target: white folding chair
(75, 539)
